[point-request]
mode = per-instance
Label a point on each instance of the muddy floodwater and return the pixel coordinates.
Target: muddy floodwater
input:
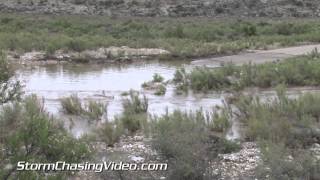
(106, 83)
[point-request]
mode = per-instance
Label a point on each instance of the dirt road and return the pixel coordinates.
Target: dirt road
(258, 57)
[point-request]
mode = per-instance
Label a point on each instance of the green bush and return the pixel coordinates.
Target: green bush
(72, 105)
(9, 90)
(280, 164)
(187, 141)
(183, 37)
(95, 110)
(157, 78)
(30, 134)
(285, 128)
(134, 114)
(134, 104)
(221, 120)
(111, 132)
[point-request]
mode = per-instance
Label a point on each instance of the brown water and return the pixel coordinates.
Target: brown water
(107, 82)
(91, 81)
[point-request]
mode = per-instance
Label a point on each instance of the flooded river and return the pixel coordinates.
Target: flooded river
(106, 83)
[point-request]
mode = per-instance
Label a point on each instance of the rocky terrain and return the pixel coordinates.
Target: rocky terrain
(168, 8)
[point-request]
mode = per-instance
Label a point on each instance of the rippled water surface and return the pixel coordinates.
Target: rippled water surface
(106, 83)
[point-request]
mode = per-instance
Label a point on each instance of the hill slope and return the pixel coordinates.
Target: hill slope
(171, 8)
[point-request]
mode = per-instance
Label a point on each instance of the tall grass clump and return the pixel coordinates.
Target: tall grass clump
(110, 132)
(72, 105)
(188, 142)
(134, 116)
(93, 110)
(286, 130)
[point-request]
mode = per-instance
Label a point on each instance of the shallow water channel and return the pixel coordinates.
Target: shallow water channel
(105, 82)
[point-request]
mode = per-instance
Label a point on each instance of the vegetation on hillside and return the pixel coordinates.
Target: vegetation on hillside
(183, 37)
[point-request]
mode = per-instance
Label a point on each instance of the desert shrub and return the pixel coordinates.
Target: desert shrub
(283, 120)
(95, 110)
(280, 164)
(133, 122)
(134, 114)
(286, 129)
(184, 38)
(175, 31)
(180, 79)
(10, 90)
(204, 79)
(186, 140)
(36, 137)
(111, 132)
(135, 104)
(249, 29)
(221, 119)
(72, 105)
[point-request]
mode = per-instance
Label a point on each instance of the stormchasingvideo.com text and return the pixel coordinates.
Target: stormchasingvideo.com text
(94, 167)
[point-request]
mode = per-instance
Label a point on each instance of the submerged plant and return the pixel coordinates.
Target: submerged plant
(72, 105)
(161, 90)
(93, 110)
(157, 78)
